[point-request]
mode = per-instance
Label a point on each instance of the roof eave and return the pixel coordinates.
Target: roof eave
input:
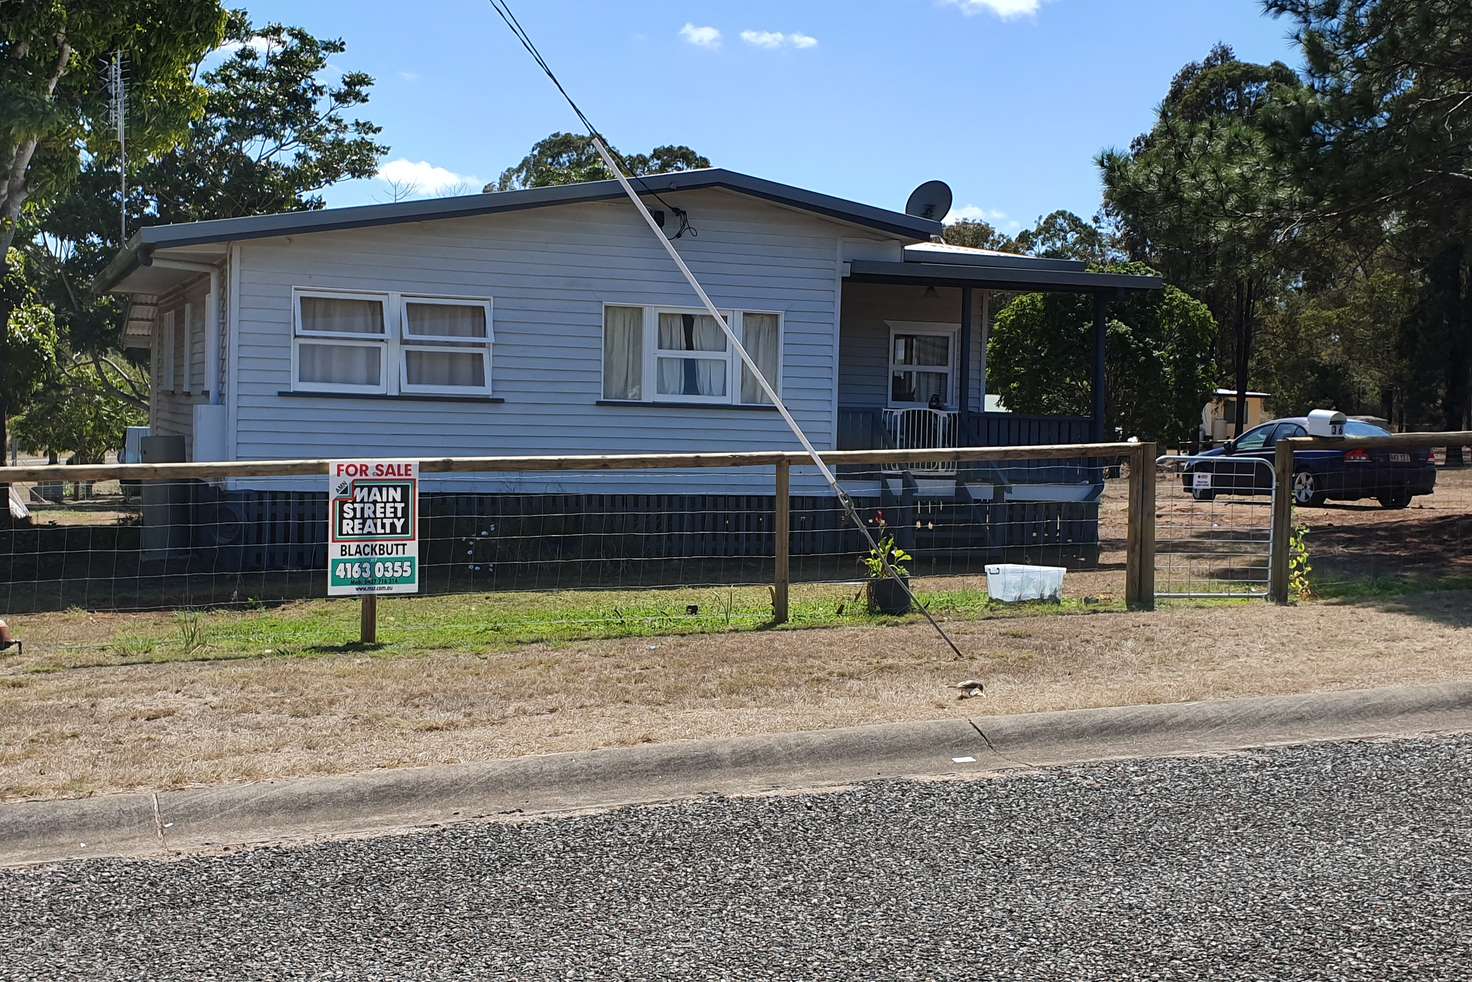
(1001, 277)
(466, 206)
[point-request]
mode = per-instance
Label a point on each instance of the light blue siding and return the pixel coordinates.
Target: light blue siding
(549, 272)
(863, 370)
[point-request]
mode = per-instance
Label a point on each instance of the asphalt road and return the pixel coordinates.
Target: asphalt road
(1343, 861)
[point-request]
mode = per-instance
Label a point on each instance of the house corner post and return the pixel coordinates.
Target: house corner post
(1282, 527)
(782, 542)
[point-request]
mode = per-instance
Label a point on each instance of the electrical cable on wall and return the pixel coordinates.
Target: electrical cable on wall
(617, 166)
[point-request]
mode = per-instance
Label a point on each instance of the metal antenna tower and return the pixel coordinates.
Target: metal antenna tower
(117, 117)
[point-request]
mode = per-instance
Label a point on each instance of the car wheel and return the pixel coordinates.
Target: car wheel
(1306, 490)
(1203, 494)
(1395, 499)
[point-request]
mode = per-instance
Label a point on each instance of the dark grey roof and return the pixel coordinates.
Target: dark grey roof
(146, 240)
(1019, 273)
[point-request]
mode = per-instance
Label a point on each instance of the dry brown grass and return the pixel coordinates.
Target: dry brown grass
(86, 730)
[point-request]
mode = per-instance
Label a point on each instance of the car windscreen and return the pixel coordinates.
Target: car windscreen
(1355, 427)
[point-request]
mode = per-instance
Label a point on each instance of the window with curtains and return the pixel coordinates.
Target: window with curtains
(391, 344)
(446, 346)
(921, 365)
(660, 354)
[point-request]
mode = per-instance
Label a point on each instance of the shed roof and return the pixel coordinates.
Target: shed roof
(143, 242)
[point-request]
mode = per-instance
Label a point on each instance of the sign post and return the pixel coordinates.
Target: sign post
(372, 533)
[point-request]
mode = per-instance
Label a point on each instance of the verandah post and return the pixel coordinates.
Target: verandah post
(782, 537)
(1282, 522)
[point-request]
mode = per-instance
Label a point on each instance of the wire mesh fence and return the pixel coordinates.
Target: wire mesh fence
(617, 546)
(1213, 526)
(1388, 513)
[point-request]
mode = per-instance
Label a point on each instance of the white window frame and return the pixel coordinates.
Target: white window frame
(951, 331)
(351, 339)
(652, 354)
(409, 341)
(740, 328)
(166, 353)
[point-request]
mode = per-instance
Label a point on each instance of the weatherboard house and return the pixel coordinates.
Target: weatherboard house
(548, 321)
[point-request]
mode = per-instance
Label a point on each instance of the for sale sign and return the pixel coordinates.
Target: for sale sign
(372, 527)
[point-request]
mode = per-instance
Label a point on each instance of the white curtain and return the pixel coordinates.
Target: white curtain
(462, 368)
(623, 353)
(691, 376)
(342, 315)
(444, 320)
(341, 364)
(759, 335)
(690, 332)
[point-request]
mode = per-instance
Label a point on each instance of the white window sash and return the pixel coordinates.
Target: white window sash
(653, 353)
(302, 331)
(410, 335)
(740, 328)
(484, 351)
(948, 370)
(301, 386)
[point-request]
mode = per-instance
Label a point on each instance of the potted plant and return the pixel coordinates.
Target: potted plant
(884, 566)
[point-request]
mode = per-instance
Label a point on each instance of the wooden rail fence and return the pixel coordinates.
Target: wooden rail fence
(1139, 574)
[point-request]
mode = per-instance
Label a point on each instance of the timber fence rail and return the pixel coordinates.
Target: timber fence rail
(248, 533)
(1372, 514)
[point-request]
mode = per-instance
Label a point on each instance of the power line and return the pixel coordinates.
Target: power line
(617, 165)
(506, 15)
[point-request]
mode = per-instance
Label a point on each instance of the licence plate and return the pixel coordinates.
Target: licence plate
(1400, 458)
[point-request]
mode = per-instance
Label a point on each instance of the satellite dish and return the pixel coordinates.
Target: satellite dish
(930, 200)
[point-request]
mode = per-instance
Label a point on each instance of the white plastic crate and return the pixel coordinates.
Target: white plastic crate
(1013, 582)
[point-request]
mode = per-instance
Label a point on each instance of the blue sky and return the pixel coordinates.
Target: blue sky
(1006, 100)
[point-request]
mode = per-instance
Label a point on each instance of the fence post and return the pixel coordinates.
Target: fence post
(368, 624)
(782, 537)
(1147, 525)
(1282, 531)
(1139, 575)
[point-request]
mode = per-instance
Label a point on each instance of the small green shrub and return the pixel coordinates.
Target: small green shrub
(1299, 568)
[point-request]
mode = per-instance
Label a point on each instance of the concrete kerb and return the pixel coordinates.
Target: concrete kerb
(210, 818)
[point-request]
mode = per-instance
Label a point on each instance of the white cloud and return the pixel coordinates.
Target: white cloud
(409, 76)
(992, 216)
(1005, 9)
(777, 39)
(701, 37)
(764, 39)
(424, 177)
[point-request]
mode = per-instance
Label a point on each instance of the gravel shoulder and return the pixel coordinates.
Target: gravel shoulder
(1331, 861)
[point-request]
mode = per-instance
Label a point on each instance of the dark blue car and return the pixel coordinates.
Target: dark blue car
(1245, 466)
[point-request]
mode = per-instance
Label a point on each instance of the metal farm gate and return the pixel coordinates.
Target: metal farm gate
(1213, 525)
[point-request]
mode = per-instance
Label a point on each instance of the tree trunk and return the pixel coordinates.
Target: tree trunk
(1451, 281)
(6, 235)
(1242, 349)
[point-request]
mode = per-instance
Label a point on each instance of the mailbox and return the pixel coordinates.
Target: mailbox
(1325, 422)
